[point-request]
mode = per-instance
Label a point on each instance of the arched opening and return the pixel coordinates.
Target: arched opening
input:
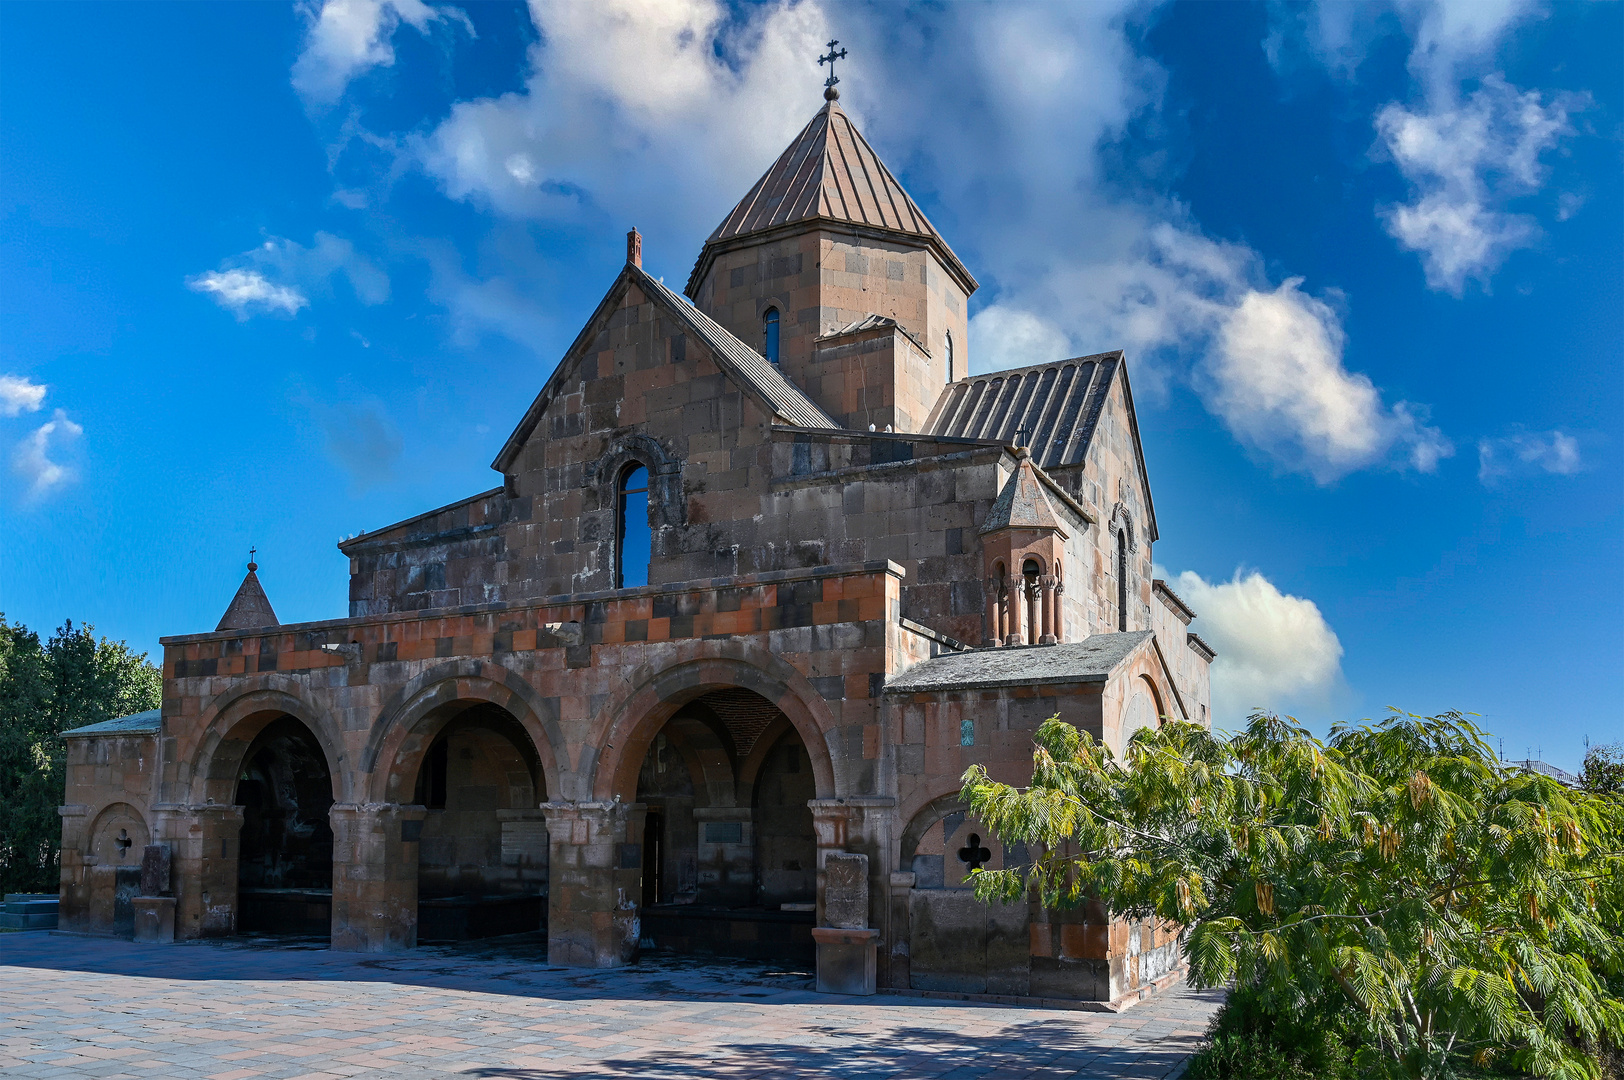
(1031, 571)
(949, 351)
(956, 943)
(285, 854)
(769, 334)
(729, 853)
(1143, 710)
(633, 537)
(483, 850)
(1122, 580)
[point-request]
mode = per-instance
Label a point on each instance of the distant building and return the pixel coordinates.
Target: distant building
(765, 572)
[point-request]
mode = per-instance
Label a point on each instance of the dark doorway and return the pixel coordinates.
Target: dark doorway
(726, 783)
(285, 865)
(482, 857)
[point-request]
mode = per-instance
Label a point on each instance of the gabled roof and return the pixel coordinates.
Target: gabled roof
(828, 173)
(753, 373)
(1091, 660)
(250, 609)
(1021, 504)
(1051, 409)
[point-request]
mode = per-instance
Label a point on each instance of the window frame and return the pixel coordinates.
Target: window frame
(621, 491)
(772, 334)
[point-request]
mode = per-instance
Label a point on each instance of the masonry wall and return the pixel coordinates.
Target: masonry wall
(822, 280)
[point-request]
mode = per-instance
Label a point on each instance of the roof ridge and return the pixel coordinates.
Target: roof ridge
(763, 377)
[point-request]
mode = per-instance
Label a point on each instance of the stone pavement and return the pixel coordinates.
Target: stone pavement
(78, 1007)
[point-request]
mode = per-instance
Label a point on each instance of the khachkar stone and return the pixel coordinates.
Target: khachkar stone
(846, 945)
(154, 912)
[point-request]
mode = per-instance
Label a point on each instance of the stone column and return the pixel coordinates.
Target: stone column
(1050, 634)
(596, 867)
(900, 952)
(375, 876)
(994, 632)
(1017, 611)
(204, 848)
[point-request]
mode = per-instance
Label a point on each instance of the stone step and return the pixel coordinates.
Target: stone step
(37, 921)
(31, 906)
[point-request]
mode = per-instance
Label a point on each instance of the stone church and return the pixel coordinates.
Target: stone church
(766, 569)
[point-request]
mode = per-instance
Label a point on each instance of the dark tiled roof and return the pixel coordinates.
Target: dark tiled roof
(829, 173)
(749, 366)
(135, 723)
(1053, 407)
(250, 609)
(1090, 660)
(1194, 641)
(1021, 504)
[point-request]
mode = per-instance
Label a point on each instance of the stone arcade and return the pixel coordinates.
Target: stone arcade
(764, 573)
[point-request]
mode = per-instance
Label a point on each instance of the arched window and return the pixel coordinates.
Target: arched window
(769, 334)
(950, 356)
(1122, 580)
(632, 536)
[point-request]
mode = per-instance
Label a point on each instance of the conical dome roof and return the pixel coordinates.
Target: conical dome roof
(250, 609)
(828, 173)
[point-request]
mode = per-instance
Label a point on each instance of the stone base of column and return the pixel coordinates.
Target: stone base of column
(847, 961)
(154, 919)
(596, 866)
(375, 876)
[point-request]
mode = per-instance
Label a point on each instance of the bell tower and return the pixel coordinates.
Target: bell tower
(829, 264)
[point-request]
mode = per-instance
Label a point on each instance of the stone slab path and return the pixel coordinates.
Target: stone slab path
(92, 1008)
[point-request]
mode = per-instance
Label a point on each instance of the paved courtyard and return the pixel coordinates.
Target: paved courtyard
(76, 1007)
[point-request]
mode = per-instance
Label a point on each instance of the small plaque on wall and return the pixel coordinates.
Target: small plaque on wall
(724, 832)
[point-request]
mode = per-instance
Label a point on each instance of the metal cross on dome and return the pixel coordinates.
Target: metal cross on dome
(829, 83)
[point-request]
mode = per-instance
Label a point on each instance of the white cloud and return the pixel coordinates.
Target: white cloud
(1278, 381)
(345, 38)
(1004, 337)
(1525, 453)
(642, 109)
(246, 292)
(1465, 161)
(1465, 158)
(1275, 650)
(278, 276)
(18, 395)
(634, 110)
(32, 458)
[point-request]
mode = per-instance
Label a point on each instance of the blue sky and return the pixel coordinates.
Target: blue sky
(272, 274)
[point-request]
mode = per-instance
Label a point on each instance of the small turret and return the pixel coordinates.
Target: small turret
(250, 609)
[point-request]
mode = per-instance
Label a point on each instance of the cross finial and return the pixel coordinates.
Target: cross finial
(252, 565)
(829, 91)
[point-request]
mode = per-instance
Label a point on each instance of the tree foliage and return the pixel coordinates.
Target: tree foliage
(45, 688)
(1452, 907)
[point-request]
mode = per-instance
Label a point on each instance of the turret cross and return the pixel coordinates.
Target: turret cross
(829, 83)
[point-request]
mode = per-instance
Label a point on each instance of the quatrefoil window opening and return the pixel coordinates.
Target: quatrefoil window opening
(122, 841)
(973, 854)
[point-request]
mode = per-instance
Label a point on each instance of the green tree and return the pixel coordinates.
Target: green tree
(1603, 770)
(1449, 907)
(45, 688)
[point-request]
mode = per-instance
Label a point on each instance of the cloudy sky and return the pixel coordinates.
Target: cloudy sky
(272, 274)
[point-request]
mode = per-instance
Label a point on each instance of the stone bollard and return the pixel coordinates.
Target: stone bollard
(846, 947)
(154, 912)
